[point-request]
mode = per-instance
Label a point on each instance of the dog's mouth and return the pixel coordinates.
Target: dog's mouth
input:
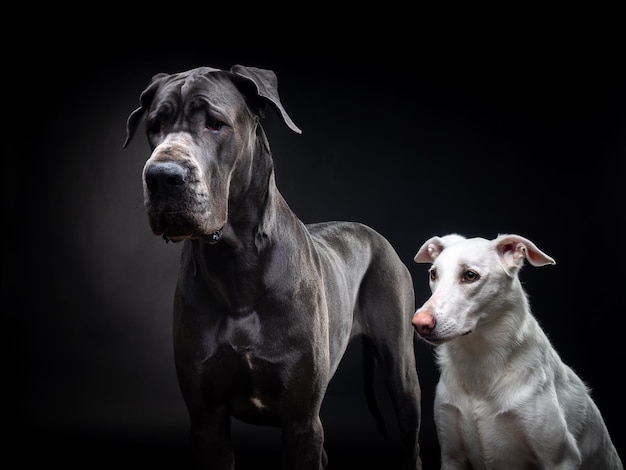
(210, 239)
(176, 227)
(437, 340)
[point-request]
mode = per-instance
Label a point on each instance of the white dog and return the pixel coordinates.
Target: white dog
(505, 400)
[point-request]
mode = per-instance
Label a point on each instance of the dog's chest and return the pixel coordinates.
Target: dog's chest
(483, 424)
(233, 359)
(246, 383)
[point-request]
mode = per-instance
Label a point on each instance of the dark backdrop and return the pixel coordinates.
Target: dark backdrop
(416, 141)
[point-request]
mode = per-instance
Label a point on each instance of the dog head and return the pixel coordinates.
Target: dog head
(203, 129)
(472, 281)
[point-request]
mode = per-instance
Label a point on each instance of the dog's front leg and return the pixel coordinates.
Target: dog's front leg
(303, 446)
(211, 442)
(302, 431)
(449, 421)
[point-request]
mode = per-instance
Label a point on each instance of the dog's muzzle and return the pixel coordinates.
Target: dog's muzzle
(176, 203)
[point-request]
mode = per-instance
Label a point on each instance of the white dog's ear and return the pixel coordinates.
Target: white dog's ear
(513, 249)
(434, 246)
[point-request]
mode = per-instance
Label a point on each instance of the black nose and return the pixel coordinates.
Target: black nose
(165, 175)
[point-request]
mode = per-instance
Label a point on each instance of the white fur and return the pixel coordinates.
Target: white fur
(505, 399)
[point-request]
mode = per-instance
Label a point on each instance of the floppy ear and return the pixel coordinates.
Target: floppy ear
(266, 84)
(434, 246)
(145, 99)
(513, 249)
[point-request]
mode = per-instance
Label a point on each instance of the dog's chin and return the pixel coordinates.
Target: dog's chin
(434, 341)
(210, 238)
(437, 340)
(176, 228)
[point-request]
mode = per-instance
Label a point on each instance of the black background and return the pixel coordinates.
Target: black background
(415, 139)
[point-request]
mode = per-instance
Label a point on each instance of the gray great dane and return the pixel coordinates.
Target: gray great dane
(265, 306)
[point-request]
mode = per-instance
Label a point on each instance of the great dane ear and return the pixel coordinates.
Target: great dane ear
(266, 84)
(145, 99)
(434, 246)
(513, 249)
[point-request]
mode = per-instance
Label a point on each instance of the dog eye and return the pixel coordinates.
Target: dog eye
(470, 276)
(158, 120)
(154, 127)
(213, 124)
(432, 274)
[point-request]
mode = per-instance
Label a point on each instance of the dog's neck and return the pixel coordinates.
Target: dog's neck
(236, 267)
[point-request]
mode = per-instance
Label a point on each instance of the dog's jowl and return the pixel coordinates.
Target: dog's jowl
(505, 399)
(265, 305)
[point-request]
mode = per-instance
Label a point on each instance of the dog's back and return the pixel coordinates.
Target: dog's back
(505, 399)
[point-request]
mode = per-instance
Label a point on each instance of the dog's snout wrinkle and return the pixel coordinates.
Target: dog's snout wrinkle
(163, 175)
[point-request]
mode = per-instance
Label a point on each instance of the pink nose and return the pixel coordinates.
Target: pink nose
(424, 322)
